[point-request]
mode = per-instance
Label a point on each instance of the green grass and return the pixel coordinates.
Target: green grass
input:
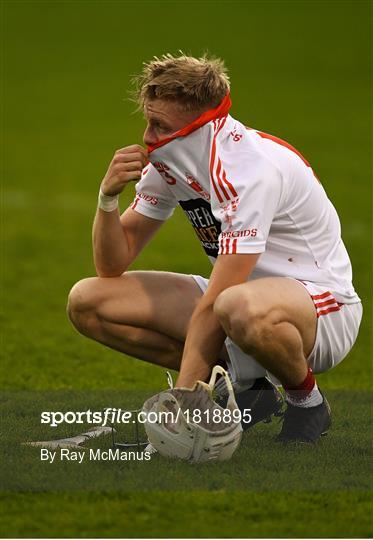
(184, 515)
(260, 492)
(339, 461)
(300, 70)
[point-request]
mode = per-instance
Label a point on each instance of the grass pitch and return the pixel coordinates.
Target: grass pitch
(299, 70)
(260, 492)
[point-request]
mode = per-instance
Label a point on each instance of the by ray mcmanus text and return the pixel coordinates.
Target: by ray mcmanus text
(78, 456)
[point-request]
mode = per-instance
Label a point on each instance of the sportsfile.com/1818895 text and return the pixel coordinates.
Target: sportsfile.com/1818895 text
(111, 416)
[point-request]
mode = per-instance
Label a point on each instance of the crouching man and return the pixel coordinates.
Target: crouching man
(279, 299)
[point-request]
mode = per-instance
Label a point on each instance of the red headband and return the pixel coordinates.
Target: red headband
(219, 112)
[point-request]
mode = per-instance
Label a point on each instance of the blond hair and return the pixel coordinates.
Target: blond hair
(194, 83)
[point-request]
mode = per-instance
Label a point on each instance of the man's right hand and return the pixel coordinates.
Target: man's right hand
(126, 166)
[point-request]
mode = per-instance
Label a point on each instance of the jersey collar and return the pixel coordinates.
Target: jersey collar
(219, 112)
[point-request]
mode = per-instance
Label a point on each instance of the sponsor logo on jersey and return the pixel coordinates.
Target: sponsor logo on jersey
(206, 226)
(148, 198)
(235, 136)
(194, 184)
(240, 234)
(163, 170)
(228, 209)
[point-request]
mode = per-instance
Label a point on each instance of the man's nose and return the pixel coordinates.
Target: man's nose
(149, 137)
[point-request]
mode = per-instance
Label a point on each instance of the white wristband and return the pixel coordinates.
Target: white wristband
(107, 203)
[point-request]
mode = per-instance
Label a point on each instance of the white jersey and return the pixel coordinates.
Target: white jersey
(245, 191)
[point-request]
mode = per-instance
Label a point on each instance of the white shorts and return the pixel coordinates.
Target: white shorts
(337, 330)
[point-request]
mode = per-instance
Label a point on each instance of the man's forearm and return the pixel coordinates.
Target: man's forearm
(205, 338)
(110, 250)
(204, 342)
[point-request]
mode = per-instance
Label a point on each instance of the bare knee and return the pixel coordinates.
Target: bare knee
(82, 305)
(242, 318)
(233, 311)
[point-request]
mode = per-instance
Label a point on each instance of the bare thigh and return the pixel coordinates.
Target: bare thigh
(161, 301)
(283, 300)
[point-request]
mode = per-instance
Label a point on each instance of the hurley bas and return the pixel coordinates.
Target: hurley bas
(66, 454)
